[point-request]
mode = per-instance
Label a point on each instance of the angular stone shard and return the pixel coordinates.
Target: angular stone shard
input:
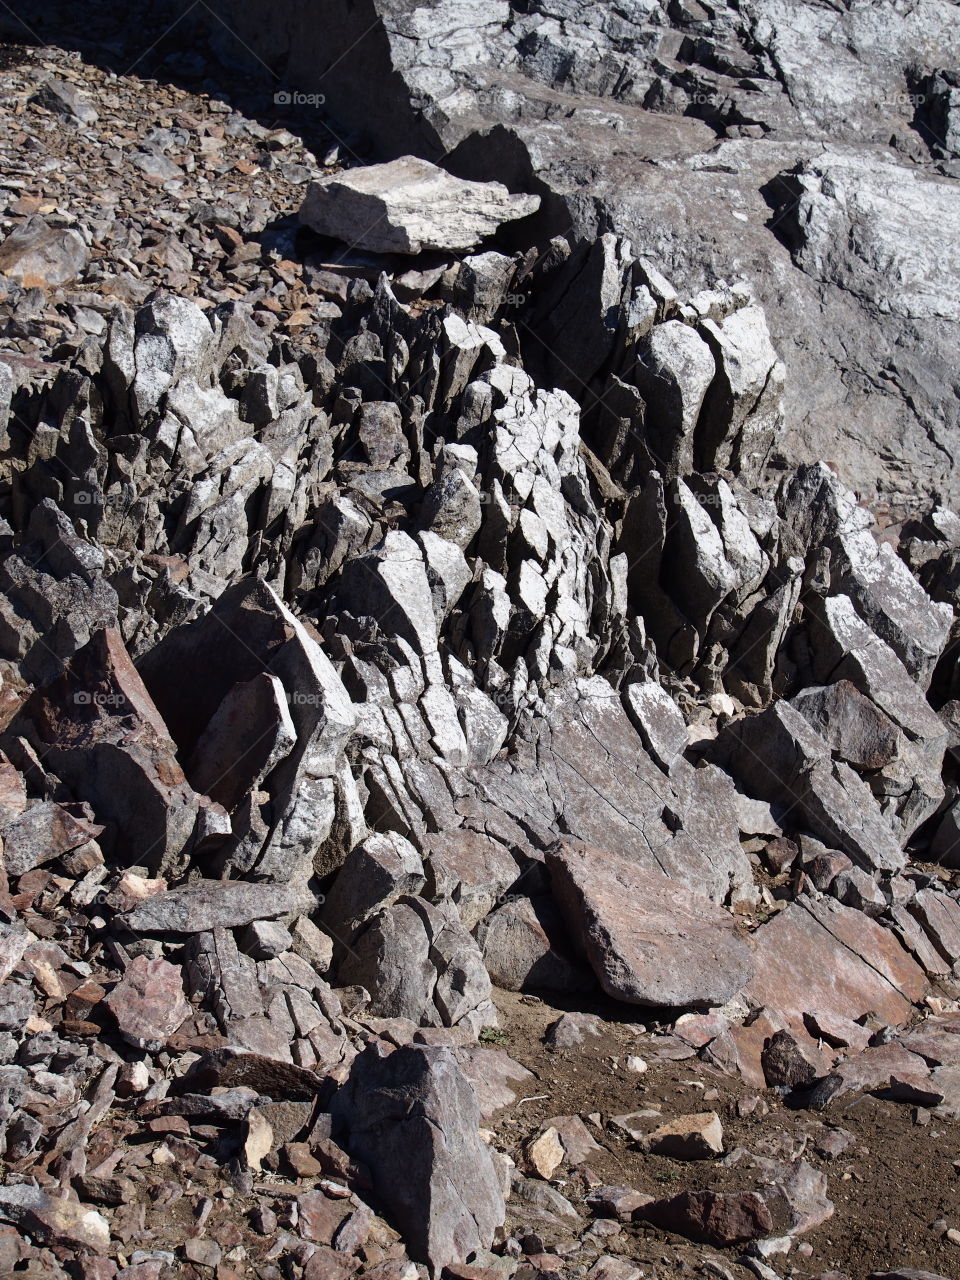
(523, 948)
(711, 1217)
(696, 1137)
(657, 719)
(101, 733)
(649, 940)
(408, 205)
(250, 732)
(412, 1118)
(62, 1222)
(778, 757)
(41, 834)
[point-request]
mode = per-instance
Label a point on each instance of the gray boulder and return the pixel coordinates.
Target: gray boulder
(413, 1119)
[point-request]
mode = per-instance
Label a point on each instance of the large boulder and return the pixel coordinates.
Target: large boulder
(649, 940)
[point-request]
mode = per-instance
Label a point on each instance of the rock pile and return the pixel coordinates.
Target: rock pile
(450, 642)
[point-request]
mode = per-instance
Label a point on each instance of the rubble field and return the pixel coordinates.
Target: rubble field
(479, 773)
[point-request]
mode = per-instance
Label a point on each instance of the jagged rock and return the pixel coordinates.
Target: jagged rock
(777, 756)
(696, 1137)
(658, 721)
(14, 940)
(265, 939)
(66, 99)
(648, 940)
(585, 774)
(59, 1221)
(248, 632)
(409, 205)
(101, 733)
(798, 1191)
(413, 1119)
(946, 841)
(418, 962)
(37, 255)
(494, 1076)
(856, 729)
(570, 1029)
(472, 869)
(711, 1217)
(376, 873)
(247, 736)
(44, 832)
(545, 1154)
(818, 958)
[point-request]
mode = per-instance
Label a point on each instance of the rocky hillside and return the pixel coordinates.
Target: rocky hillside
(479, 722)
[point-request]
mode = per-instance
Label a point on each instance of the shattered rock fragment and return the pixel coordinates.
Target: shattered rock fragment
(413, 1119)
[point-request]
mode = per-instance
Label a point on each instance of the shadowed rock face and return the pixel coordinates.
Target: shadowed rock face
(788, 144)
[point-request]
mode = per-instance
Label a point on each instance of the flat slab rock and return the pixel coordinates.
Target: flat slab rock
(649, 940)
(409, 205)
(209, 904)
(817, 959)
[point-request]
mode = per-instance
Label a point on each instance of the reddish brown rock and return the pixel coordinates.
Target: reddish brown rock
(711, 1217)
(822, 959)
(101, 733)
(649, 940)
(13, 794)
(148, 1003)
(319, 1217)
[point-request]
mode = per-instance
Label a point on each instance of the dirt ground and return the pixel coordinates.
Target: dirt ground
(896, 1189)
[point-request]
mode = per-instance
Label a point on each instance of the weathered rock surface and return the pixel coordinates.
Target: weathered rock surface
(148, 1003)
(413, 1119)
(648, 941)
(740, 157)
(410, 205)
(338, 585)
(712, 1217)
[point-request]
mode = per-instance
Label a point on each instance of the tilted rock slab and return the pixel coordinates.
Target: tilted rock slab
(409, 205)
(649, 940)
